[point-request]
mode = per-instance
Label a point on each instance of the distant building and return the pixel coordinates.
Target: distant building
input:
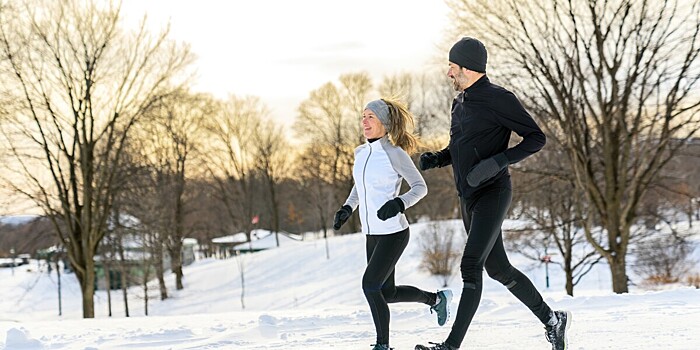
(19, 260)
(260, 239)
(137, 259)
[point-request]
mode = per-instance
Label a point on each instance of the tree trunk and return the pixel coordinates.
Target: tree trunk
(568, 261)
(158, 262)
(87, 286)
(618, 270)
(124, 293)
(145, 289)
(275, 210)
(176, 263)
(176, 241)
(124, 275)
(108, 283)
(569, 283)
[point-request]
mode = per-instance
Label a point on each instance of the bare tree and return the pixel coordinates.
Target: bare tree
(120, 231)
(150, 258)
(428, 96)
(612, 82)
(354, 89)
(168, 141)
(231, 160)
(398, 86)
(316, 185)
(143, 199)
(273, 161)
(337, 109)
(83, 83)
(207, 219)
(549, 203)
(107, 255)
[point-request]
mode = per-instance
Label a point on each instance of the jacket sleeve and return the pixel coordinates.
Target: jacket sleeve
(353, 199)
(403, 165)
(512, 115)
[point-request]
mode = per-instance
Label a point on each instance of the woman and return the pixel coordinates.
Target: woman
(380, 166)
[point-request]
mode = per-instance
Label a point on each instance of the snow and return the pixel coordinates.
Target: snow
(234, 238)
(16, 219)
(295, 298)
(260, 239)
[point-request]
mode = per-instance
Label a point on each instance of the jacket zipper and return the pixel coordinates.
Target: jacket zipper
(364, 185)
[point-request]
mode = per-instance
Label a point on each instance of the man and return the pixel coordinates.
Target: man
(483, 117)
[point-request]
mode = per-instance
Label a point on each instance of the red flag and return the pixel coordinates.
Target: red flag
(255, 220)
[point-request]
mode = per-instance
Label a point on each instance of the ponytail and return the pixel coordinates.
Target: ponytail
(402, 124)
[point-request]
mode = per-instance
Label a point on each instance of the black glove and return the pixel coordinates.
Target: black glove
(341, 216)
(390, 209)
(486, 169)
(428, 160)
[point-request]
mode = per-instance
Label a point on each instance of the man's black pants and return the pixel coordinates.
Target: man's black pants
(483, 216)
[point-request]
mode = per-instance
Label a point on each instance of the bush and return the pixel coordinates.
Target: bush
(441, 251)
(663, 260)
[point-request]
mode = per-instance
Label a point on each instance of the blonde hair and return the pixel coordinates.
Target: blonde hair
(402, 124)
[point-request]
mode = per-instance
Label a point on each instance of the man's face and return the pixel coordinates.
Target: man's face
(459, 79)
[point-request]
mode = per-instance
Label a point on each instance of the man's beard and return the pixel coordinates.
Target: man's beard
(455, 85)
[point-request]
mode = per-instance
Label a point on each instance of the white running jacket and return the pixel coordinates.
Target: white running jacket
(378, 171)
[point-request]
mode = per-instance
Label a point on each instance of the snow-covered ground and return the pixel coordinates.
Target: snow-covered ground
(295, 298)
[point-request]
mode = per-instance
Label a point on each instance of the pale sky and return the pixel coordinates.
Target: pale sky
(280, 50)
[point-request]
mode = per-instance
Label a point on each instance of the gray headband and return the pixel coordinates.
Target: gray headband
(381, 110)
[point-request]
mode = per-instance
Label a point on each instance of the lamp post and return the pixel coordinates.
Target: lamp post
(546, 259)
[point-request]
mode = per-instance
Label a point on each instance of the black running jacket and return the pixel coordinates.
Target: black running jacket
(483, 117)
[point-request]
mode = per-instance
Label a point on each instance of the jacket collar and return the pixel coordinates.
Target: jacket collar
(378, 143)
(484, 80)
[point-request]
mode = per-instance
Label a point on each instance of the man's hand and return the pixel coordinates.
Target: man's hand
(341, 216)
(428, 160)
(486, 169)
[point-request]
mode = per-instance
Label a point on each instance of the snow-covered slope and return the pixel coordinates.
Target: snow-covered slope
(296, 298)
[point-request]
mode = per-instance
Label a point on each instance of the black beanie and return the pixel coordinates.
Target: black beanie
(469, 53)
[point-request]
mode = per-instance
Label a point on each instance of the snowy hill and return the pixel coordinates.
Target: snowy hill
(295, 298)
(17, 219)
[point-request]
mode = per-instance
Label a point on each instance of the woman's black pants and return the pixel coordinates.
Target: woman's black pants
(383, 251)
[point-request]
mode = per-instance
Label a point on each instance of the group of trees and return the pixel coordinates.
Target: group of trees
(104, 134)
(615, 84)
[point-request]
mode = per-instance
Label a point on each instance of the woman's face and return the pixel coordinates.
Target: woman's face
(372, 127)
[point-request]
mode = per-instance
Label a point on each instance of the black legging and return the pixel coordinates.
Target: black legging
(483, 215)
(383, 251)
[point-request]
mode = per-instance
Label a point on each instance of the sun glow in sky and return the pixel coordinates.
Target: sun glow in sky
(280, 50)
